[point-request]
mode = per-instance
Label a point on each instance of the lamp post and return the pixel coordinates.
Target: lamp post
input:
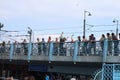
(1, 26)
(84, 22)
(3, 71)
(116, 21)
(30, 33)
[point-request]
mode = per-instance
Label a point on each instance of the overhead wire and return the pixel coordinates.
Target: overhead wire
(66, 28)
(67, 33)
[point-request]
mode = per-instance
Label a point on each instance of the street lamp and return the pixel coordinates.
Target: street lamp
(84, 24)
(116, 21)
(1, 26)
(3, 71)
(30, 33)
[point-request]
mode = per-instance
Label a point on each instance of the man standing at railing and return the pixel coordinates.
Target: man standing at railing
(102, 42)
(39, 46)
(84, 45)
(43, 46)
(115, 42)
(3, 47)
(25, 47)
(79, 42)
(56, 46)
(61, 43)
(48, 44)
(109, 43)
(92, 44)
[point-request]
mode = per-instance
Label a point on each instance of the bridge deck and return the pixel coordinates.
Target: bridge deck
(65, 52)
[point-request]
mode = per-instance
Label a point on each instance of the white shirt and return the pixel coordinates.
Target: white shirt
(72, 79)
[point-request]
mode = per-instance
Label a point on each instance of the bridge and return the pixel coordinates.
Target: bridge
(68, 57)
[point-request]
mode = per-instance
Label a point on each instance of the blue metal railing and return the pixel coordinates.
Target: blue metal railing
(110, 71)
(60, 49)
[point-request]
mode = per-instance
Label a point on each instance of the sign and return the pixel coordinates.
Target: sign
(41, 68)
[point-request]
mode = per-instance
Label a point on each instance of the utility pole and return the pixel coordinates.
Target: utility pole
(1, 26)
(30, 33)
(2, 55)
(116, 21)
(84, 22)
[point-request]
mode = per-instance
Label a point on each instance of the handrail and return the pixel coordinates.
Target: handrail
(59, 49)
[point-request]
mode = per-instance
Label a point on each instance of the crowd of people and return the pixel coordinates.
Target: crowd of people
(85, 44)
(57, 76)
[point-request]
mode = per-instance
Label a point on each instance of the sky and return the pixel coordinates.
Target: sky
(52, 17)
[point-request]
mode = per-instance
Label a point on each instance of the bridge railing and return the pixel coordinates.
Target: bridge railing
(113, 47)
(59, 49)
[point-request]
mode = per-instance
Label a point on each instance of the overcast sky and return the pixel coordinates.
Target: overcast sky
(55, 16)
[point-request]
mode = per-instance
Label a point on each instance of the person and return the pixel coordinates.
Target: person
(61, 43)
(49, 39)
(73, 78)
(56, 46)
(26, 78)
(9, 78)
(92, 44)
(8, 46)
(115, 42)
(3, 47)
(109, 43)
(31, 77)
(64, 46)
(25, 47)
(72, 39)
(48, 45)
(79, 42)
(102, 41)
(43, 46)
(39, 46)
(16, 48)
(84, 44)
(47, 77)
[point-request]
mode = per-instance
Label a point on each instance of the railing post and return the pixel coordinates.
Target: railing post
(75, 51)
(29, 51)
(105, 50)
(50, 51)
(11, 51)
